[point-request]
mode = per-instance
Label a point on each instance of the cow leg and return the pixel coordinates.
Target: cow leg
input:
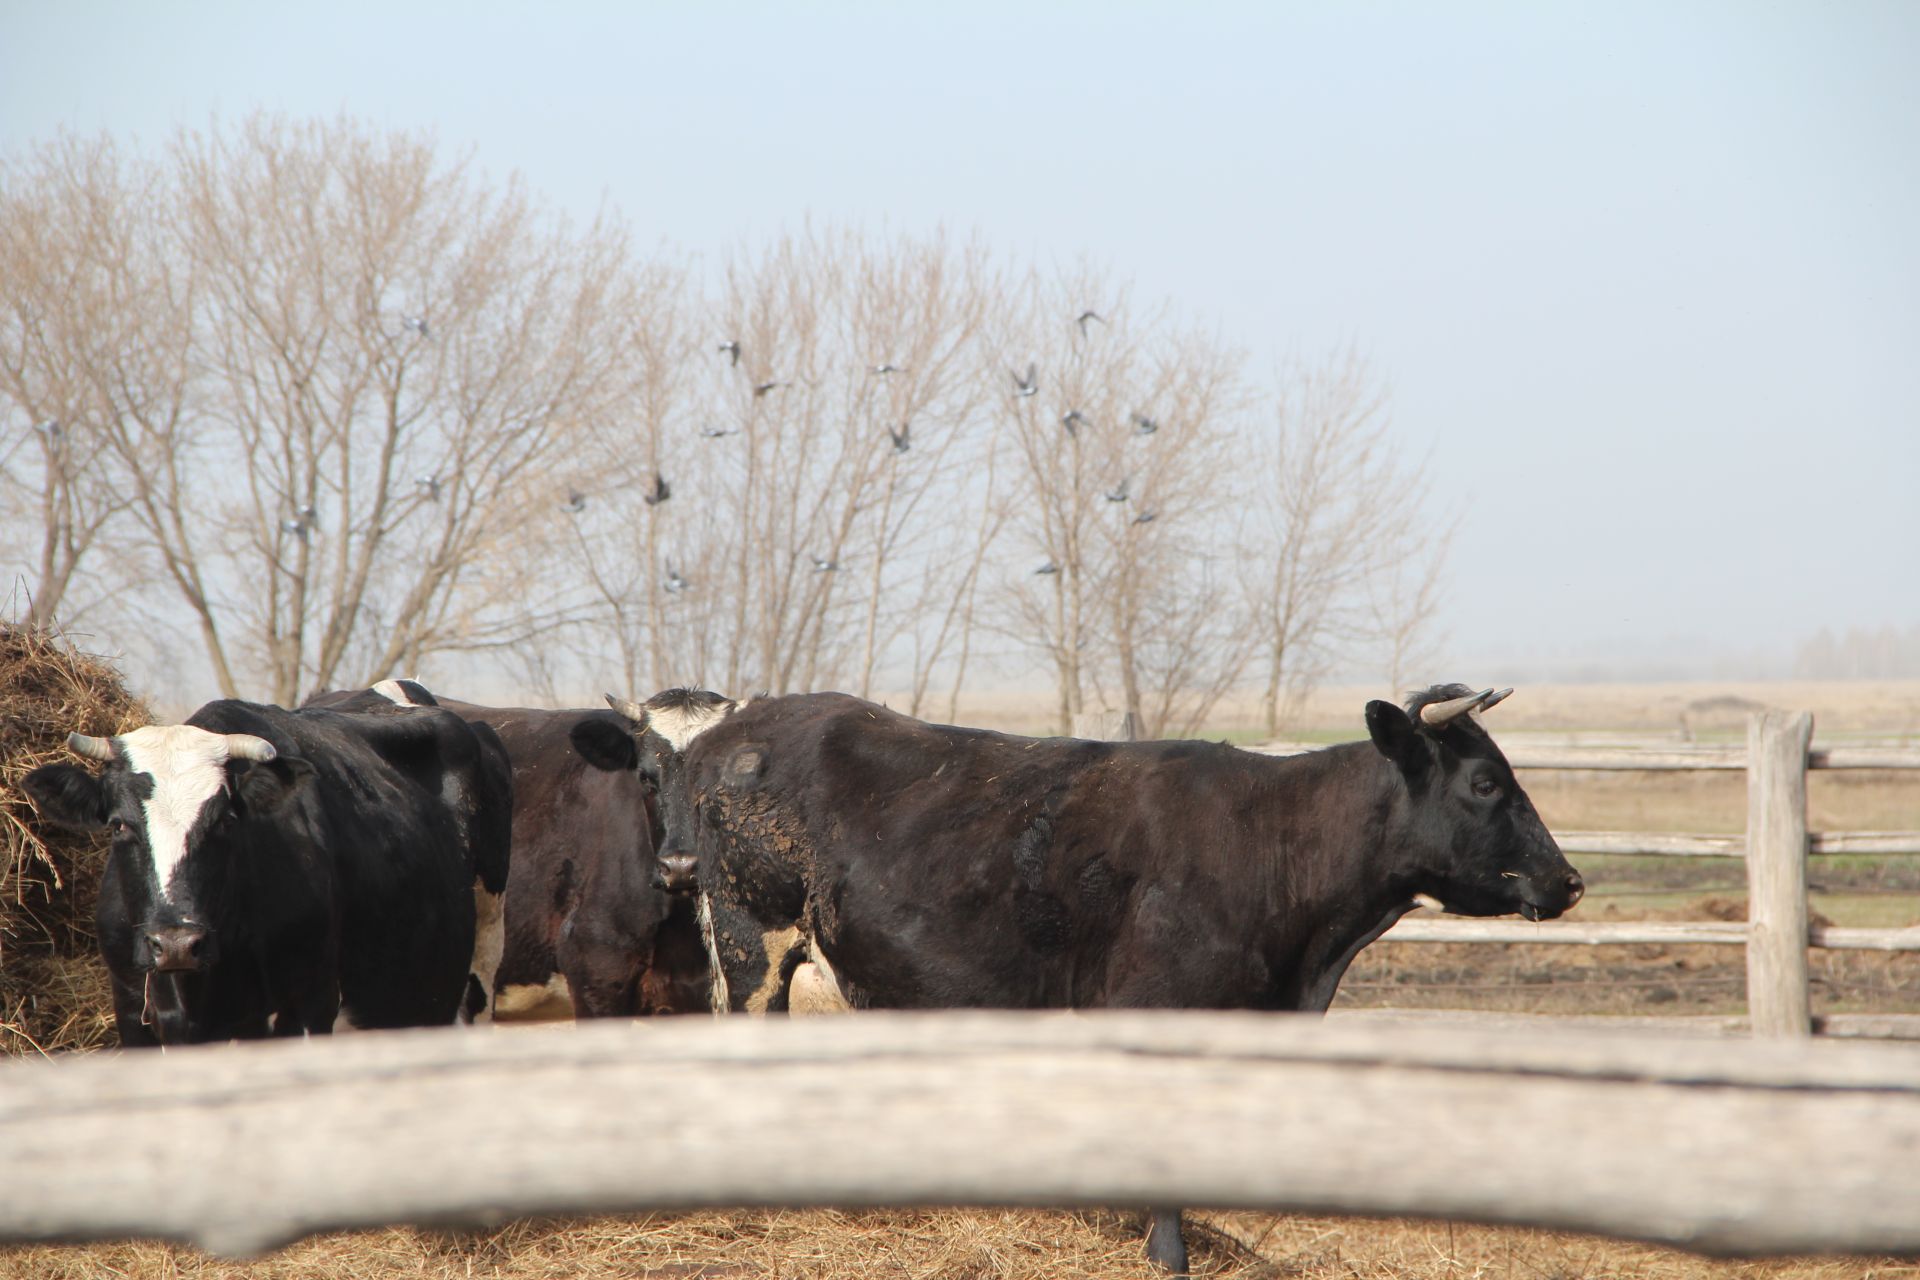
(1165, 1246)
(129, 1013)
(489, 942)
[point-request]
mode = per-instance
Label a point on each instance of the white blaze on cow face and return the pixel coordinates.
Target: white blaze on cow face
(681, 725)
(188, 767)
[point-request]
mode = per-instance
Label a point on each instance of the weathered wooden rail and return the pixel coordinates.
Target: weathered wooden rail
(1720, 1145)
(1776, 846)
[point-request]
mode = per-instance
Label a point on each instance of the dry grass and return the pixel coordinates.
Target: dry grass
(1716, 800)
(53, 990)
(1012, 1244)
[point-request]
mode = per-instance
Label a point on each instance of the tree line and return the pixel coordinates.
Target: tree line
(330, 405)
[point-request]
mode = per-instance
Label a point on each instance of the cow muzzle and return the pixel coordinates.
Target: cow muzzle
(676, 872)
(1557, 899)
(180, 948)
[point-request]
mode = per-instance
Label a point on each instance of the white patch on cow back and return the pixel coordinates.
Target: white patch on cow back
(681, 725)
(1428, 901)
(392, 691)
(188, 767)
(719, 999)
(343, 1021)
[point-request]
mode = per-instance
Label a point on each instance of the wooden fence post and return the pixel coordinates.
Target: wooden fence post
(1777, 998)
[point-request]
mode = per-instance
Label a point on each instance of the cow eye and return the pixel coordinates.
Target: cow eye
(118, 826)
(1485, 787)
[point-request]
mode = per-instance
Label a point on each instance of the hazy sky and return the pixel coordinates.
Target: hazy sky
(1645, 278)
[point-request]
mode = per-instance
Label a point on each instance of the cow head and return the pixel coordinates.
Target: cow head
(663, 727)
(170, 796)
(1472, 838)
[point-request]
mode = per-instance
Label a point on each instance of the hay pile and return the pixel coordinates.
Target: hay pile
(53, 988)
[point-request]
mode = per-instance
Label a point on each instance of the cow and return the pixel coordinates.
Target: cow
(279, 873)
(917, 866)
(587, 933)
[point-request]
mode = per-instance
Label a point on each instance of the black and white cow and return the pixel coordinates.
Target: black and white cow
(583, 930)
(280, 872)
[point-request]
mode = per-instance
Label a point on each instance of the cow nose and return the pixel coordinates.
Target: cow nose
(1575, 887)
(177, 946)
(675, 872)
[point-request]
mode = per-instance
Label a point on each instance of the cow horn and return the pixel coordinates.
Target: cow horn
(91, 748)
(1439, 713)
(244, 746)
(1496, 700)
(629, 708)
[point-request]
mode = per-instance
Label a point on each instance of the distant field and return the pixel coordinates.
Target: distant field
(1859, 709)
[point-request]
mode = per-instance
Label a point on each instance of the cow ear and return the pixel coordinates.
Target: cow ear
(604, 745)
(1396, 737)
(67, 796)
(264, 786)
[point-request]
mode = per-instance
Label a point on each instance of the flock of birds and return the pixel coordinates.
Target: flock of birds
(306, 520)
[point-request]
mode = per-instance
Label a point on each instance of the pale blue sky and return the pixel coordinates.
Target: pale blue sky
(1644, 277)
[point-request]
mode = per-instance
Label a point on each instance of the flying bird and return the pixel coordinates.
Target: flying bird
(428, 485)
(674, 583)
(882, 370)
(1085, 316)
(823, 565)
(731, 348)
(1028, 385)
(1145, 517)
(1073, 420)
(416, 323)
(1119, 492)
(711, 432)
(298, 528)
(51, 429)
(309, 517)
(1143, 425)
(765, 387)
(576, 501)
(900, 442)
(660, 492)
(1048, 567)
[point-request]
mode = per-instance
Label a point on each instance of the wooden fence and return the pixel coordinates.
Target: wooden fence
(1776, 846)
(1733, 1146)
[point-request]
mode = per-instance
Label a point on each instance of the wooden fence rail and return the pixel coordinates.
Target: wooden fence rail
(1776, 846)
(1727, 1146)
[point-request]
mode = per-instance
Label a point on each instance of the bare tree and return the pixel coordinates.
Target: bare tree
(1330, 510)
(82, 315)
(395, 358)
(1124, 431)
(1406, 597)
(340, 407)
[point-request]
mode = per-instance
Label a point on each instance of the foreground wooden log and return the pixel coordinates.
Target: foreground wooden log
(1736, 1147)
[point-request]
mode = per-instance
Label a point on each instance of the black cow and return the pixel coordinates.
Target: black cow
(925, 866)
(281, 872)
(586, 931)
